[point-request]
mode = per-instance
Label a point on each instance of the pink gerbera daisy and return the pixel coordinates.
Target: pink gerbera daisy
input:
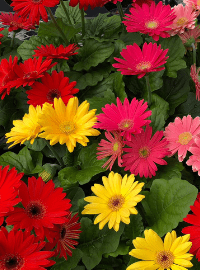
(194, 159)
(153, 20)
(190, 36)
(180, 135)
(185, 18)
(126, 118)
(112, 147)
(144, 152)
(195, 4)
(194, 73)
(140, 62)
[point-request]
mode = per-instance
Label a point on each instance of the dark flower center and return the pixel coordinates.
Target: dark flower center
(62, 233)
(31, 74)
(35, 210)
(13, 262)
(53, 93)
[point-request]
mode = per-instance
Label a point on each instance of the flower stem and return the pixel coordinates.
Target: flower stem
(57, 26)
(148, 90)
(13, 39)
(121, 13)
(83, 22)
(55, 154)
(194, 53)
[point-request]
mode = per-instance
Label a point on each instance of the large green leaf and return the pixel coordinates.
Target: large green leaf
(176, 52)
(85, 168)
(93, 53)
(190, 106)
(155, 80)
(167, 203)
(135, 228)
(130, 38)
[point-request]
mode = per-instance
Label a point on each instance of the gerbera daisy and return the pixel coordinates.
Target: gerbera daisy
(194, 230)
(20, 251)
(125, 118)
(180, 135)
(144, 152)
(86, 3)
(185, 18)
(112, 147)
(194, 73)
(115, 201)
(26, 129)
(190, 37)
(1, 35)
(15, 22)
(44, 206)
(195, 4)
(10, 180)
(60, 52)
(52, 86)
(172, 254)
(153, 20)
(7, 75)
(68, 124)
(33, 9)
(194, 159)
(141, 2)
(31, 70)
(141, 62)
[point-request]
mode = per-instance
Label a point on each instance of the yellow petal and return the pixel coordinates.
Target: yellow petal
(140, 265)
(143, 254)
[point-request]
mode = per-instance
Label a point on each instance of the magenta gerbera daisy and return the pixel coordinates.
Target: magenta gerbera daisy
(111, 148)
(194, 159)
(43, 207)
(126, 118)
(180, 135)
(153, 19)
(144, 152)
(140, 62)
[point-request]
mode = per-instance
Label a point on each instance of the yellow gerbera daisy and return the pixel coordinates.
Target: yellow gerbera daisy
(68, 123)
(26, 129)
(115, 201)
(172, 254)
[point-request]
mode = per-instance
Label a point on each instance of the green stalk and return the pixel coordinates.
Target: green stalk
(55, 154)
(83, 22)
(121, 13)
(13, 39)
(148, 90)
(194, 53)
(57, 26)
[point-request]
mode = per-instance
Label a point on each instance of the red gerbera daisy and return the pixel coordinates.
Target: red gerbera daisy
(31, 70)
(112, 147)
(125, 118)
(60, 52)
(194, 230)
(52, 86)
(86, 3)
(144, 152)
(9, 184)
(153, 20)
(44, 206)
(33, 9)
(140, 62)
(15, 22)
(7, 75)
(20, 251)
(1, 35)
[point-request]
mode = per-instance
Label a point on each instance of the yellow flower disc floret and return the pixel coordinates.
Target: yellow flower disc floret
(26, 129)
(159, 255)
(115, 201)
(69, 123)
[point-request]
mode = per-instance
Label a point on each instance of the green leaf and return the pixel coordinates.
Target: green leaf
(38, 144)
(167, 203)
(175, 91)
(7, 108)
(118, 85)
(122, 249)
(86, 167)
(155, 80)
(176, 52)
(75, 194)
(135, 228)
(130, 38)
(190, 106)
(95, 26)
(94, 242)
(93, 53)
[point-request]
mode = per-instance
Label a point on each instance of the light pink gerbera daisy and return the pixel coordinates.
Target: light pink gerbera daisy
(194, 73)
(180, 135)
(195, 4)
(140, 62)
(126, 118)
(113, 148)
(194, 159)
(190, 36)
(153, 20)
(185, 18)
(144, 152)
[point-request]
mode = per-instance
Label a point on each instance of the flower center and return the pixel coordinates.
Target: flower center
(67, 127)
(63, 232)
(115, 146)
(198, 2)
(53, 93)
(184, 138)
(35, 210)
(14, 262)
(116, 202)
(144, 152)
(182, 21)
(151, 24)
(165, 259)
(31, 74)
(126, 124)
(16, 24)
(45, 176)
(143, 65)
